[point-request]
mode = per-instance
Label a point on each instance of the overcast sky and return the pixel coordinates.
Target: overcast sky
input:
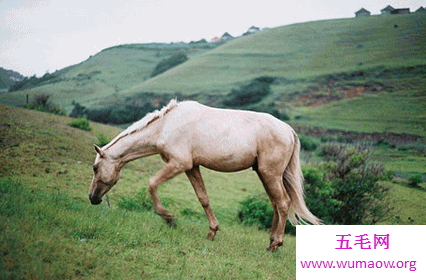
(37, 36)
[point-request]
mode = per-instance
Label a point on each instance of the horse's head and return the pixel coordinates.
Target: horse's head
(106, 172)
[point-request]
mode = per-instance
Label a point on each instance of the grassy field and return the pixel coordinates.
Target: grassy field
(361, 75)
(48, 228)
(299, 51)
(400, 110)
(99, 80)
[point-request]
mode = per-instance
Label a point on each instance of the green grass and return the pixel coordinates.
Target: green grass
(51, 235)
(98, 80)
(49, 229)
(296, 51)
(299, 51)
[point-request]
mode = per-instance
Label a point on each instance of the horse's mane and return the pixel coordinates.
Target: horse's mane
(144, 122)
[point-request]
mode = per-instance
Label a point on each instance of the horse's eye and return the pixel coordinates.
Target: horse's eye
(95, 169)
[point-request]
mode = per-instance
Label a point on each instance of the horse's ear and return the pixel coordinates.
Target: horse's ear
(98, 150)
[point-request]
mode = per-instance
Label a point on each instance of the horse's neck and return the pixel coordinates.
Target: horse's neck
(136, 145)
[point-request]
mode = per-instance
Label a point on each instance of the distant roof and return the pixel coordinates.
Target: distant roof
(254, 27)
(388, 8)
(226, 34)
(362, 11)
(421, 9)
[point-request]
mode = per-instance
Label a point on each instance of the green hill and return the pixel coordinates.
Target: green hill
(99, 80)
(362, 74)
(299, 51)
(49, 229)
(8, 78)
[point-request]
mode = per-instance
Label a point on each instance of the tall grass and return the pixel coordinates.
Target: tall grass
(51, 235)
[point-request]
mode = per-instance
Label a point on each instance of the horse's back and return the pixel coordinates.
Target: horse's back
(223, 139)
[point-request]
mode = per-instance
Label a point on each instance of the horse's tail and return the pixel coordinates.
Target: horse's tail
(293, 183)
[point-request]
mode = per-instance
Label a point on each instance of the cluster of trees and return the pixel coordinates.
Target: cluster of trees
(250, 96)
(169, 63)
(115, 114)
(32, 82)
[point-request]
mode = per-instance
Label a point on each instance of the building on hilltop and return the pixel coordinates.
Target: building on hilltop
(251, 30)
(226, 36)
(404, 11)
(387, 10)
(420, 10)
(362, 13)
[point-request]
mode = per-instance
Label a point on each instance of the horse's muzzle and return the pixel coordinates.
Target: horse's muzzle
(95, 200)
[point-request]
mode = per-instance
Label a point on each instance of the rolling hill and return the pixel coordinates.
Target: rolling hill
(361, 74)
(100, 79)
(299, 51)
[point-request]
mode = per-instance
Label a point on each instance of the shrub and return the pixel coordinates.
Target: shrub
(353, 184)
(270, 109)
(248, 94)
(308, 143)
(257, 210)
(42, 103)
(169, 63)
(346, 190)
(415, 180)
(78, 111)
(102, 140)
(120, 113)
(81, 123)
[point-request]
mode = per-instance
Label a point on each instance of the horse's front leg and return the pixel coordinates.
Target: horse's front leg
(194, 176)
(170, 170)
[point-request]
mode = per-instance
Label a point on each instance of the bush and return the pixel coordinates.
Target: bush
(120, 113)
(344, 190)
(102, 140)
(42, 103)
(415, 180)
(352, 186)
(308, 143)
(81, 123)
(257, 210)
(248, 94)
(78, 111)
(270, 109)
(169, 63)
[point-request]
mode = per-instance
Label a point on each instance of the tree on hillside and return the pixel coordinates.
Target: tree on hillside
(169, 63)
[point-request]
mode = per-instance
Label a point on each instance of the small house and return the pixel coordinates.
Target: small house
(226, 36)
(387, 10)
(405, 11)
(362, 13)
(420, 10)
(251, 30)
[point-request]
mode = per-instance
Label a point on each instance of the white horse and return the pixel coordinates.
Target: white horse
(188, 134)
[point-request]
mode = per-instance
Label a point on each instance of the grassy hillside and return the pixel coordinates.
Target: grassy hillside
(98, 80)
(49, 229)
(299, 51)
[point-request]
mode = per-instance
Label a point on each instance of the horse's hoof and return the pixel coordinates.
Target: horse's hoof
(171, 222)
(273, 247)
(211, 235)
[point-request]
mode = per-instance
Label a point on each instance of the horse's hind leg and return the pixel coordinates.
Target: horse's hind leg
(171, 169)
(276, 216)
(281, 202)
(194, 176)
